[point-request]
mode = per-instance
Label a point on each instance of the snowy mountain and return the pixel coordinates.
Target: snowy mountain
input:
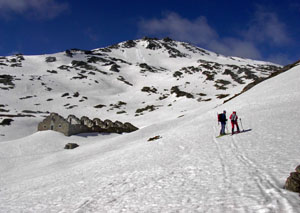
(172, 91)
(139, 81)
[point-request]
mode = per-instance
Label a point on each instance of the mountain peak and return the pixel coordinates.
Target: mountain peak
(131, 80)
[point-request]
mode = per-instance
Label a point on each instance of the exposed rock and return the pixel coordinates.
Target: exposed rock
(167, 39)
(7, 80)
(95, 59)
(69, 53)
(71, 146)
(298, 169)
(52, 71)
(26, 97)
(86, 66)
(209, 75)
(50, 59)
(293, 181)
(149, 90)
(71, 107)
(100, 106)
(173, 52)
(154, 138)
(180, 93)
(234, 76)
(145, 67)
(80, 76)
(34, 112)
(129, 44)
(117, 105)
(164, 96)
(149, 108)
(220, 84)
(64, 67)
(6, 122)
(120, 60)
(121, 78)
(3, 110)
(121, 112)
(115, 68)
(177, 74)
(16, 115)
(220, 96)
(65, 94)
(76, 94)
(114, 46)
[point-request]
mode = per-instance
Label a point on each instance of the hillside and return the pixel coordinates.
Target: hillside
(187, 169)
(137, 81)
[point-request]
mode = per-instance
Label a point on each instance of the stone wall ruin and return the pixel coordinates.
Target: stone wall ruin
(73, 125)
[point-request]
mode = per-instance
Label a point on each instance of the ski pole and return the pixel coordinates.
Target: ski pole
(226, 127)
(241, 124)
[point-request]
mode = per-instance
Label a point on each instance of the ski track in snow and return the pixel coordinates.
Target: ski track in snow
(234, 161)
(187, 170)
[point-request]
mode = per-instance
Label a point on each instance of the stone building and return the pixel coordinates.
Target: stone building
(73, 125)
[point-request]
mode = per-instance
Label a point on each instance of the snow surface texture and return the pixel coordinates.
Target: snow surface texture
(187, 169)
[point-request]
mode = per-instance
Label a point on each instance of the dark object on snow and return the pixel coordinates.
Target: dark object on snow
(154, 138)
(69, 53)
(293, 181)
(115, 68)
(50, 59)
(6, 122)
(71, 146)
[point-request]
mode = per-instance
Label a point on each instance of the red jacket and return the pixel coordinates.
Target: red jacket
(233, 117)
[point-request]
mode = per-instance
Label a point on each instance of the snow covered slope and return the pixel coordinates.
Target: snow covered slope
(187, 169)
(142, 81)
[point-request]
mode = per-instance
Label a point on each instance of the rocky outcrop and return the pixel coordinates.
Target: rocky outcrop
(6, 122)
(50, 59)
(71, 146)
(293, 181)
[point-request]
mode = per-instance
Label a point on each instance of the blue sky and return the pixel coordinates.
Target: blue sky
(258, 29)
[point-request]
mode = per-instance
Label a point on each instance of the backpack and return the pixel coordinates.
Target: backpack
(221, 117)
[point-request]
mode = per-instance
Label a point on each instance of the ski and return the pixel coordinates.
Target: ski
(222, 135)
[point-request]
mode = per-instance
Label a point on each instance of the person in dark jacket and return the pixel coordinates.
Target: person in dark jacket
(234, 122)
(222, 119)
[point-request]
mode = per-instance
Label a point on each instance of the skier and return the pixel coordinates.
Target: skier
(222, 119)
(234, 121)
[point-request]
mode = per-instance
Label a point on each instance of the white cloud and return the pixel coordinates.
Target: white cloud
(280, 58)
(196, 31)
(40, 8)
(264, 29)
(235, 47)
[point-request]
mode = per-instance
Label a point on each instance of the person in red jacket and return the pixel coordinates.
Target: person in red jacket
(234, 121)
